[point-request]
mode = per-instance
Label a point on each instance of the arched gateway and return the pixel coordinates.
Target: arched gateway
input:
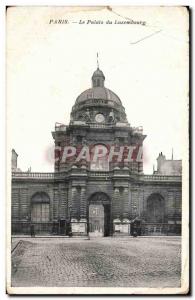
(99, 215)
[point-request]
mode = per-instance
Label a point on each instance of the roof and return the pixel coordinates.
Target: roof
(98, 93)
(98, 72)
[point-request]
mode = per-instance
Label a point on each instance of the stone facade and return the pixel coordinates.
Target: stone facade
(105, 197)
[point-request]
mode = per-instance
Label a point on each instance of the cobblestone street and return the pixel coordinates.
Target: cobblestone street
(119, 262)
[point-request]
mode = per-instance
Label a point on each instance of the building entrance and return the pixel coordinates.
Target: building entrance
(96, 220)
(99, 215)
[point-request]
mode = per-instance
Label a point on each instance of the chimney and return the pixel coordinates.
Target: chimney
(14, 159)
(161, 158)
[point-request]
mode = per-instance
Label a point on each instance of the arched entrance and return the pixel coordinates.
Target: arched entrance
(155, 209)
(99, 215)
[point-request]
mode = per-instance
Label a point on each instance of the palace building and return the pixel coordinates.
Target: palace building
(106, 196)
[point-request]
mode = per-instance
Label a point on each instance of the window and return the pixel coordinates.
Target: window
(99, 158)
(40, 208)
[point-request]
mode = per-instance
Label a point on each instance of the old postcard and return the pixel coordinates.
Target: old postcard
(97, 150)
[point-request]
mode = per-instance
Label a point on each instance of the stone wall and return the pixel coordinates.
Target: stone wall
(69, 199)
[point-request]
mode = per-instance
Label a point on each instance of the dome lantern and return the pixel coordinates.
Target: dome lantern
(98, 78)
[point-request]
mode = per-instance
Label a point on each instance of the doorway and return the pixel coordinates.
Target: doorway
(96, 220)
(99, 215)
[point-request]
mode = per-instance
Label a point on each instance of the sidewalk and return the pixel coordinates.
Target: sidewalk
(86, 237)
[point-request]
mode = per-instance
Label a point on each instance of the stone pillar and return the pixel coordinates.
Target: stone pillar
(116, 209)
(78, 216)
(125, 212)
(83, 203)
(125, 228)
(116, 204)
(74, 209)
(55, 204)
(134, 203)
(171, 207)
(83, 212)
(121, 203)
(62, 203)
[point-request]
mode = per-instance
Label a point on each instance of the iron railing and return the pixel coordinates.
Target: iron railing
(160, 229)
(39, 228)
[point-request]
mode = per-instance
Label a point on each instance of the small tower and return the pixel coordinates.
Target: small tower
(98, 77)
(14, 160)
(160, 160)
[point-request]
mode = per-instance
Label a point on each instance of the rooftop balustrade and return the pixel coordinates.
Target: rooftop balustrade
(58, 175)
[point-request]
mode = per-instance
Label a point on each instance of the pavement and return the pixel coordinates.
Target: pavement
(98, 262)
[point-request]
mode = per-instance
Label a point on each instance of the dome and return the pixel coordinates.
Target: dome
(98, 100)
(98, 93)
(98, 90)
(98, 72)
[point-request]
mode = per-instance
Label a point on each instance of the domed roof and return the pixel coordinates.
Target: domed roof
(98, 72)
(98, 90)
(98, 93)
(98, 99)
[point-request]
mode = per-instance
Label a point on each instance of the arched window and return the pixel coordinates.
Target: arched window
(99, 158)
(40, 208)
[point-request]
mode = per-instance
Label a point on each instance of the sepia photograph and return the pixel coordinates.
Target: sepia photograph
(97, 150)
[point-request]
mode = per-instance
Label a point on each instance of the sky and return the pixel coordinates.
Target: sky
(49, 65)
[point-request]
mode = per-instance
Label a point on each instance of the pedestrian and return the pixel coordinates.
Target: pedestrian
(32, 230)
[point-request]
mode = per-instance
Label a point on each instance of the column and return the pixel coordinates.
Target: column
(116, 210)
(56, 203)
(83, 203)
(73, 212)
(121, 203)
(125, 212)
(116, 204)
(78, 223)
(83, 212)
(63, 204)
